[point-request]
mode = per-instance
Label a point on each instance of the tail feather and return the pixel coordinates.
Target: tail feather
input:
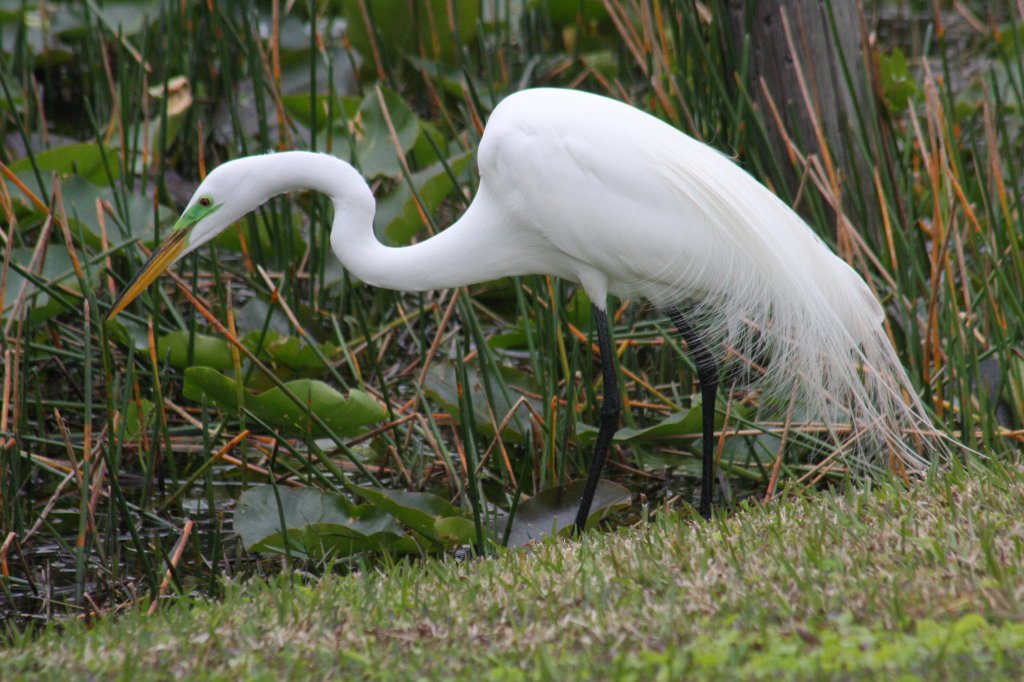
(818, 329)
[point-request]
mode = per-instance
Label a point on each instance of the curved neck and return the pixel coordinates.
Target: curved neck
(475, 248)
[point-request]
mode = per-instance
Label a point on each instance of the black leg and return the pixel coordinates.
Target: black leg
(611, 409)
(707, 373)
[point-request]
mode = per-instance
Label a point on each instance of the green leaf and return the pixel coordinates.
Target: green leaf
(132, 217)
(579, 309)
(683, 423)
(123, 18)
(289, 351)
(419, 511)
(375, 148)
(207, 351)
(317, 524)
(423, 153)
(84, 159)
(456, 530)
(515, 337)
(442, 385)
(898, 86)
(676, 424)
(136, 417)
(154, 137)
(252, 318)
(346, 416)
(398, 216)
(553, 511)
(57, 270)
(302, 106)
(136, 222)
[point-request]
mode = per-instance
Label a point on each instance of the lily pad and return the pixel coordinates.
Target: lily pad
(289, 351)
(320, 524)
(132, 216)
(346, 416)
(553, 511)
(375, 148)
(398, 214)
(682, 423)
(137, 417)
(85, 159)
(317, 524)
(433, 517)
(137, 221)
(56, 270)
(303, 106)
(207, 351)
(442, 385)
(252, 317)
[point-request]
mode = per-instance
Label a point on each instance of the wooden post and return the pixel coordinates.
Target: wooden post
(810, 89)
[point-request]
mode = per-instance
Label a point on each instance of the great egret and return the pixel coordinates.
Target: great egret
(592, 190)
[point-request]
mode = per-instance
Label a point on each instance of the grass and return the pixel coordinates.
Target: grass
(864, 584)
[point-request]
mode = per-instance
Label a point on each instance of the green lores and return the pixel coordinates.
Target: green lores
(199, 210)
(166, 253)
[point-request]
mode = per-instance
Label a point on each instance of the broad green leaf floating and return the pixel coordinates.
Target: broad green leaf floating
(132, 217)
(398, 216)
(128, 216)
(137, 416)
(320, 524)
(426, 151)
(257, 315)
(442, 385)
(346, 416)
(553, 511)
(682, 423)
(289, 351)
(676, 424)
(303, 106)
(427, 514)
(455, 530)
(375, 148)
(898, 85)
(317, 524)
(56, 271)
(81, 158)
(206, 351)
(175, 347)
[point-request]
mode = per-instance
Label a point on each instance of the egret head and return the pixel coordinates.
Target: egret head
(221, 199)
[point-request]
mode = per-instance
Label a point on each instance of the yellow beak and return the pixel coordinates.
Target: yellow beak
(160, 260)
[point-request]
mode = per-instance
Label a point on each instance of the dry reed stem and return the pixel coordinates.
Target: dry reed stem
(176, 553)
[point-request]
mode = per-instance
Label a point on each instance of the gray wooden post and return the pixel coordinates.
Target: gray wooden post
(820, 51)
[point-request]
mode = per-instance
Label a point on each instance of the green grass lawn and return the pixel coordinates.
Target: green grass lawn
(885, 583)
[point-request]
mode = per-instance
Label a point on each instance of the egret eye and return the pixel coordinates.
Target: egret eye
(205, 202)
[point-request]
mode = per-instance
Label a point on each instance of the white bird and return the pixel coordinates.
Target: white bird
(594, 191)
